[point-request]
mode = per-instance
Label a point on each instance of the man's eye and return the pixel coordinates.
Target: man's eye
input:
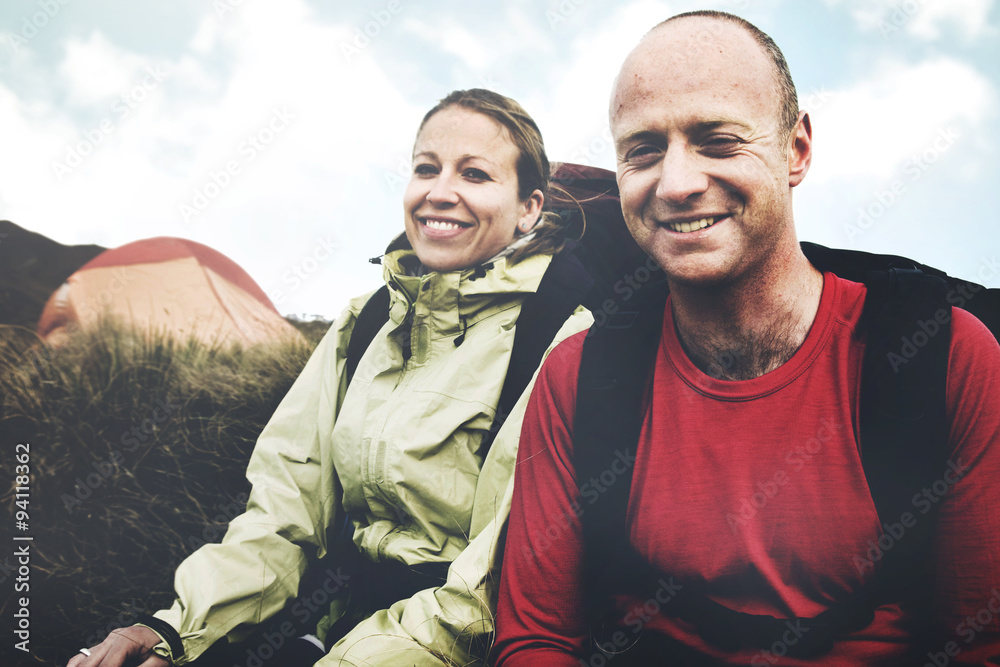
(643, 155)
(722, 144)
(476, 174)
(424, 169)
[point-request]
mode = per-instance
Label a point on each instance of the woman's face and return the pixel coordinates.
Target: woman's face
(461, 206)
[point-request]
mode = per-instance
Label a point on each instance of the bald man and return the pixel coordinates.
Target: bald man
(748, 500)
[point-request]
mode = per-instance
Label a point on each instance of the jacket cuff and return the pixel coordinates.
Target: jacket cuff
(167, 632)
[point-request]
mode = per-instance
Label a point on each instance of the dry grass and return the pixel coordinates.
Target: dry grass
(138, 448)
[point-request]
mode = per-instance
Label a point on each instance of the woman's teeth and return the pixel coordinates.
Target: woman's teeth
(443, 225)
(692, 226)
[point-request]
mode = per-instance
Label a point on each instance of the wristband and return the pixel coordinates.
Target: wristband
(165, 630)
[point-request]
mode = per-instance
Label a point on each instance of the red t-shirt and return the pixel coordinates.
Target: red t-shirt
(757, 487)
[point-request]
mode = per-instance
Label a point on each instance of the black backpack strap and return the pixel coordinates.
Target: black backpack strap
(903, 422)
(374, 314)
(561, 290)
(615, 370)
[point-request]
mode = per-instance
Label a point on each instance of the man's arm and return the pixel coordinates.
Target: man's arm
(967, 542)
(539, 619)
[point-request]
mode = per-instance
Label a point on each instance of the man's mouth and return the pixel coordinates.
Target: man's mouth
(693, 225)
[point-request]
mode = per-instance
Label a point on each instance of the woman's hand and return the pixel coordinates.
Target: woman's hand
(125, 647)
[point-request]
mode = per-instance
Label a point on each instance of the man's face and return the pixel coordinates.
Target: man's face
(704, 166)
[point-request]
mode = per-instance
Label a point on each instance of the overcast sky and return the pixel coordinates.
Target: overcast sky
(280, 132)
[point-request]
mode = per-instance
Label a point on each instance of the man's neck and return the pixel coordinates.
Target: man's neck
(743, 330)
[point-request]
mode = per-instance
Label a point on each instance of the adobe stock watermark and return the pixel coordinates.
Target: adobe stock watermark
(636, 619)
(248, 150)
(815, 99)
(590, 152)
(968, 629)
(35, 23)
(562, 12)
(591, 491)
(220, 522)
(796, 458)
(363, 36)
(912, 171)
(627, 287)
(223, 7)
(120, 109)
(320, 596)
(901, 13)
(922, 501)
(300, 271)
(958, 297)
(99, 304)
(105, 468)
(779, 649)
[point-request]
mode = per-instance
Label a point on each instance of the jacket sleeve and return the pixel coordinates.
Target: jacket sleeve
(457, 618)
(226, 589)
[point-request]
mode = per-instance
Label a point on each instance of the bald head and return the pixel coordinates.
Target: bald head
(682, 42)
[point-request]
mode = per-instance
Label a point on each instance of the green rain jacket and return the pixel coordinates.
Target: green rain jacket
(400, 451)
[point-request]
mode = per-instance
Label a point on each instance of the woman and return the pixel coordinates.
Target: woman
(401, 450)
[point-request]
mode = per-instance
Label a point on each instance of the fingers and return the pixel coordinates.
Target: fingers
(125, 647)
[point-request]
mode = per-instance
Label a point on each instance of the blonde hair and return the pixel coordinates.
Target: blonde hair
(533, 169)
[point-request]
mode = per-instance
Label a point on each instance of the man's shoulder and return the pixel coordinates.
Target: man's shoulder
(563, 362)
(559, 374)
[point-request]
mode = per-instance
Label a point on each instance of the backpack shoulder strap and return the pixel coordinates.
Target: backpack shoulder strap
(562, 289)
(903, 422)
(374, 314)
(615, 371)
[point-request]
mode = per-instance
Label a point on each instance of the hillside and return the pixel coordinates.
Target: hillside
(32, 266)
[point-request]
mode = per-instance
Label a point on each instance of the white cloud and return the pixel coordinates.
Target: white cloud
(94, 70)
(142, 163)
(872, 128)
(575, 118)
(924, 19)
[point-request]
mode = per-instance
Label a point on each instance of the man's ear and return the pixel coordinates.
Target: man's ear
(532, 212)
(799, 150)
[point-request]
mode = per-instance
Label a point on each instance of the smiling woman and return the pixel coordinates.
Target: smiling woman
(463, 205)
(392, 476)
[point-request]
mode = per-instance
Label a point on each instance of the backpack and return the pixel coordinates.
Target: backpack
(903, 430)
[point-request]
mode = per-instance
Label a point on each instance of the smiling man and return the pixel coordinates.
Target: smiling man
(749, 533)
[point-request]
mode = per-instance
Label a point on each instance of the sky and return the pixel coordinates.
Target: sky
(279, 133)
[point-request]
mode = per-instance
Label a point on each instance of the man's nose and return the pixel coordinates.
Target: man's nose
(681, 176)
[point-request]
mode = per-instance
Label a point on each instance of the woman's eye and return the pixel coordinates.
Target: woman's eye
(424, 169)
(476, 174)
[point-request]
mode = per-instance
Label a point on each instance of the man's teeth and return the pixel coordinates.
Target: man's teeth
(441, 224)
(693, 226)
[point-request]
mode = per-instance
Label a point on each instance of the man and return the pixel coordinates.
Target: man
(748, 494)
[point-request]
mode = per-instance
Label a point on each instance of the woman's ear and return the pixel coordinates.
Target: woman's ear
(532, 211)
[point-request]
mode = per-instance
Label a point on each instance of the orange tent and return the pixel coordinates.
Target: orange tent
(170, 285)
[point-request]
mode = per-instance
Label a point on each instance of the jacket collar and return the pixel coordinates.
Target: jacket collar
(453, 300)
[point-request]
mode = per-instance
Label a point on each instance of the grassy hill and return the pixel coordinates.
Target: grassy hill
(137, 453)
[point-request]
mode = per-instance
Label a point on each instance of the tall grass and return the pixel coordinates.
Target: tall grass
(138, 448)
